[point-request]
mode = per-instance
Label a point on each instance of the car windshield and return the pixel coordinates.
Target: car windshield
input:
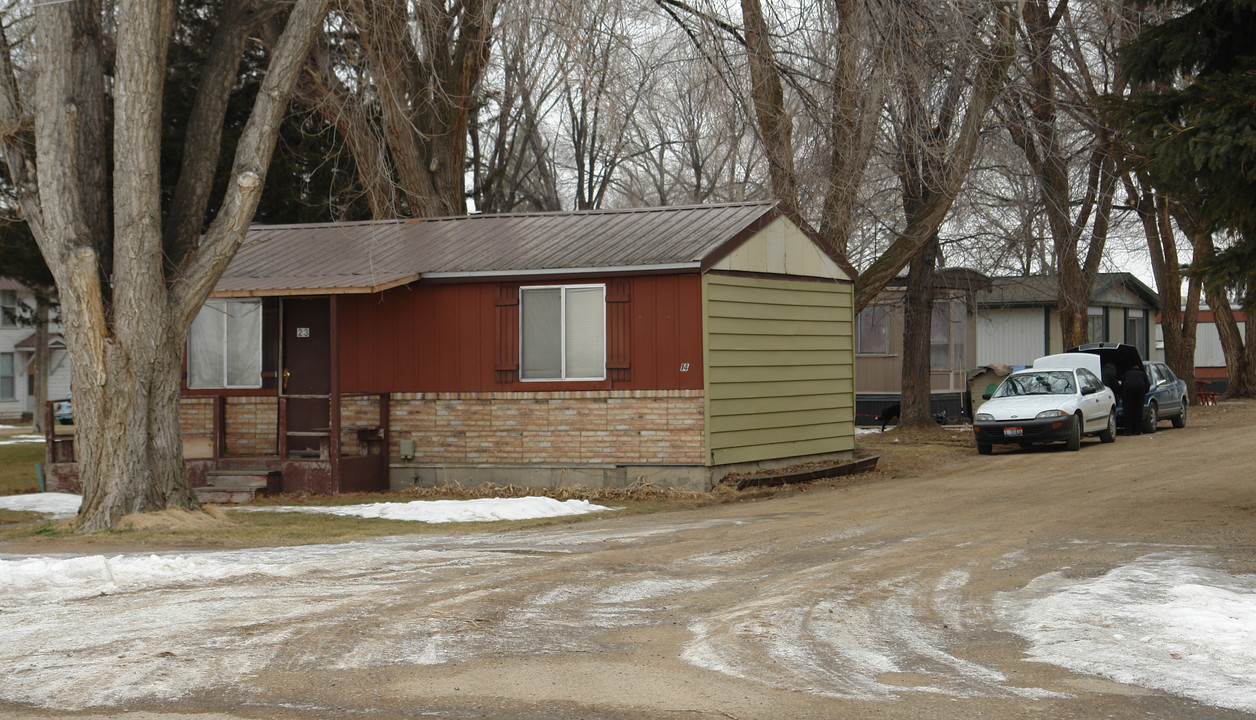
(1054, 382)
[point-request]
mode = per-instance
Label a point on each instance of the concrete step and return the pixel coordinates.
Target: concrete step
(240, 479)
(224, 496)
(235, 486)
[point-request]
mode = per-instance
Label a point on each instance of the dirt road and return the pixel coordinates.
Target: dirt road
(879, 598)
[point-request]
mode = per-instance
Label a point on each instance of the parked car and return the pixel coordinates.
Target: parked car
(1059, 399)
(63, 411)
(1167, 397)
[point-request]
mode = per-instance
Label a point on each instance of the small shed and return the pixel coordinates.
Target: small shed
(672, 345)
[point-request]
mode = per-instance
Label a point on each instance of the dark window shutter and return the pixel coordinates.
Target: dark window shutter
(506, 309)
(618, 330)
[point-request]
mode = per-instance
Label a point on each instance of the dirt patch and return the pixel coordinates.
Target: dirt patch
(908, 452)
(208, 517)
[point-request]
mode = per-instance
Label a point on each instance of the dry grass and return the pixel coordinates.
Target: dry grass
(17, 466)
(910, 452)
(209, 517)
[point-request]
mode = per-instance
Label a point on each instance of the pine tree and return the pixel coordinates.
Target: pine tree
(1193, 124)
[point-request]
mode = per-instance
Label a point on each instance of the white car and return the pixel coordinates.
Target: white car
(1059, 399)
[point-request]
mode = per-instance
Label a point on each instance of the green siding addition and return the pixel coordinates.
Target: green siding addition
(779, 368)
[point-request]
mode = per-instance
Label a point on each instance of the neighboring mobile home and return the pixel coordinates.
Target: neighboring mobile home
(952, 347)
(1210, 369)
(673, 345)
(1018, 318)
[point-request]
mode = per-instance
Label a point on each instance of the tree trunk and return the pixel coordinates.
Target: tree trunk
(917, 386)
(1240, 352)
(126, 335)
(127, 439)
(1177, 323)
(775, 124)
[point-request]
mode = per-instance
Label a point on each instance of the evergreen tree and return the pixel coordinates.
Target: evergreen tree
(1193, 124)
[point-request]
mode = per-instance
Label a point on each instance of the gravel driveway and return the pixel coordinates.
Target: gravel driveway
(888, 597)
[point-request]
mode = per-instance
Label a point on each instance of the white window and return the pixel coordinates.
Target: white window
(872, 331)
(562, 332)
(225, 345)
(7, 378)
(1096, 325)
(1136, 330)
(946, 336)
(8, 308)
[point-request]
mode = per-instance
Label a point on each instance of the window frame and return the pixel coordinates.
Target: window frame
(187, 348)
(9, 303)
(11, 376)
(562, 324)
(885, 310)
(955, 351)
(1097, 315)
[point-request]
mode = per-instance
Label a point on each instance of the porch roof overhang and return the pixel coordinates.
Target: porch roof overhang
(354, 285)
(304, 286)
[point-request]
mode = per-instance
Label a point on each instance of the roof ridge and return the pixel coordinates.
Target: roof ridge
(537, 214)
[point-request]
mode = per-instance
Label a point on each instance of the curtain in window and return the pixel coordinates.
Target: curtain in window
(244, 344)
(206, 349)
(585, 333)
(225, 345)
(541, 349)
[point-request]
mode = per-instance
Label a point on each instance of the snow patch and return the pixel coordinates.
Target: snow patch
(58, 505)
(446, 511)
(1167, 621)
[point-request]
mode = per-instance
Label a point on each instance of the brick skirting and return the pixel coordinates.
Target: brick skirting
(612, 427)
(640, 427)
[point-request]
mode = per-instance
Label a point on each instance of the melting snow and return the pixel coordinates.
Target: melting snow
(444, 511)
(1166, 621)
(63, 505)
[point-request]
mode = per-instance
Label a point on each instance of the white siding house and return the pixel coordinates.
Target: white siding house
(1209, 358)
(17, 356)
(1018, 318)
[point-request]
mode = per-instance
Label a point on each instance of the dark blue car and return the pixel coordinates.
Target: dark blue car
(1167, 398)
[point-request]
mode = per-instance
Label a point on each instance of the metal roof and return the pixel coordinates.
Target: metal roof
(367, 257)
(1025, 290)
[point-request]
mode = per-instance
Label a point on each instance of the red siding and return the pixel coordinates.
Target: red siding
(445, 338)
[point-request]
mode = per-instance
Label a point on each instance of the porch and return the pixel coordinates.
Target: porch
(301, 449)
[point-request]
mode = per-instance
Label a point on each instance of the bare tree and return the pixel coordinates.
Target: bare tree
(402, 94)
(127, 308)
(852, 108)
(1178, 322)
(512, 165)
(1068, 61)
(1238, 346)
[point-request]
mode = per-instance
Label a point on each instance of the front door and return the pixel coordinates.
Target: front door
(306, 374)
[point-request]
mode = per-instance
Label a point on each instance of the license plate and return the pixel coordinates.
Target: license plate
(1013, 431)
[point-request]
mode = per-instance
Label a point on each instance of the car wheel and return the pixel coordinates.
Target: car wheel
(1152, 417)
(1109, 433)
(1180, 420)
(984, 448)
(1075, 434)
